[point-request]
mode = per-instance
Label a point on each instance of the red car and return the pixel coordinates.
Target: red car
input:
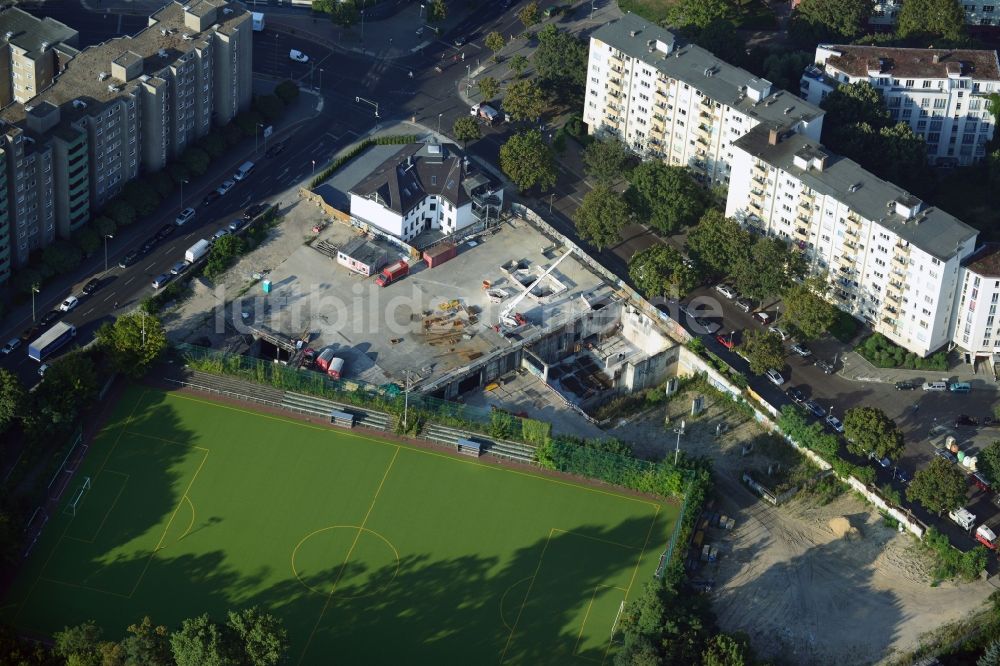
(727, 340)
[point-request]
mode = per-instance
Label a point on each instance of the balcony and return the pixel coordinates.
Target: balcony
(852, 233)
(802, 231)
(705, 115)
(900, 261)
(707, 103)
(804, 219)
(806, 206)
(755, 192)
(754, 206)
(902, 248)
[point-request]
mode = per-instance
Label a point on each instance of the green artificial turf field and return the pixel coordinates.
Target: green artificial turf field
(370, 552)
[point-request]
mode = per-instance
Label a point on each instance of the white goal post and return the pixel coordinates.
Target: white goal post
(77, 496)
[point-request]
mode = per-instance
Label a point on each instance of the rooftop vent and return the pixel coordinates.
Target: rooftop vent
(7, 35)
(162, 53)
(163, 31)
(113, 88)
(187, 37)
(227, 10)
(854, 188)
(633, 33)
(789, 110)
(44, 45)
(102, 76)
(144, 77)
(79, 104)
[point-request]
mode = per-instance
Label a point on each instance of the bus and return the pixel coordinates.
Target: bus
(51, 341)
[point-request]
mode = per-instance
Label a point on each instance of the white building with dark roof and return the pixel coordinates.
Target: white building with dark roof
(424, 188)
(977, 12)
(891, 260)
(940, 93)
(678, 102)
(976, 328)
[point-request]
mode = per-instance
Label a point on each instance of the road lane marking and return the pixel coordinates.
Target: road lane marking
(129, 280)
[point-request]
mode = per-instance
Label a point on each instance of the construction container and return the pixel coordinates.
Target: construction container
(439, 254)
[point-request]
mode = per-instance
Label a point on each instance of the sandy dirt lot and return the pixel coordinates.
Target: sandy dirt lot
(809, 583)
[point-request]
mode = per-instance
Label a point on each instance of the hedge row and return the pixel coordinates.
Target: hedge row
(344, 158)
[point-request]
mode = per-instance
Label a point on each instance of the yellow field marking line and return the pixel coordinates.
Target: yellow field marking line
(295, 550)
(593, 538)
(121, 432)
(504, 596)
(417, 449)
(159, 543)
(100, 527)
(347, 559)
(174, 442)
(190, 524)
(70, 522)
(587, 615)
(85, 587)
(527, 595)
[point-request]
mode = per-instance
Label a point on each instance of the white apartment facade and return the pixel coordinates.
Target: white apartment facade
(940, 93)
(678, 102)
(976, 329)
(891, 261)
(977, 12)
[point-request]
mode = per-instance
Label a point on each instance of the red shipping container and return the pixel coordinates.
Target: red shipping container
(439, 254)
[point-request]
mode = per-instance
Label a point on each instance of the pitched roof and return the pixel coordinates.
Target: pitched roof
(914, 63)
(985, 261)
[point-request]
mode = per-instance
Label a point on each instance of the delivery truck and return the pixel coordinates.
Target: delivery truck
(258, 21)
(51, 341)
(987, 537)
(390, 274)
(324, 358)
(197, 251)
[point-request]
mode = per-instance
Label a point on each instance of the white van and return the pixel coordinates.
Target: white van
(245, 170)
(963, 517)
(935, 386)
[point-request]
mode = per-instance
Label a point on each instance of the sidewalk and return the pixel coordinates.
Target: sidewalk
(856, 368)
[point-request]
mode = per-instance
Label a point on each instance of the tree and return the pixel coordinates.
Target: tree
(438, 10)
(202, 642)
(722, 39)
(141, 196)
(19, 651)
(248, 121)
(121, 212)
(517, 65)
(524, 100)
(605, 160)
(163, 183)
(264, 639)
(700, 13)
(808, 312)
(103, 225)
(178, 172)
(767, 273)
(270, 107)
(784, 68)
(88, 241)
(528, 14)
(495, 42)
(858, 102)
(718, 243)
(488, 88)
(834, 19)
(665, 196)
(61, 257)
(68, 387)
(930, 19)
(763, 351)
(868, 429)
(901, 157)
(991, 655)
(13, 399)
(561, 63)
(528, 161)
(466, 129)
(147, 644)
(726, 650)
(660, 270)
(79, 645)
(287, 91)
(195, 160)
(601, 216)
(132, 342)
(222, 255)
(988, 461)
(939, 487)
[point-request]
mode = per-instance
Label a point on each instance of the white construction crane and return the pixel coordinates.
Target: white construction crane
(507, 318)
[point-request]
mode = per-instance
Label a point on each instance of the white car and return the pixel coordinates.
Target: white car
(42, 368)
(775, 377)
(726, 291)
(69, 304)
(298, 56)
(780, 332)
(185, 216)
(835, 423)
(218, 234)
(11, 345)
(225, 187)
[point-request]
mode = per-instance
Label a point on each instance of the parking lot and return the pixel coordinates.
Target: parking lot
(927, 418)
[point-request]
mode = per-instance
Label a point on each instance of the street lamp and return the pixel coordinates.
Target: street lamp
(183, 183)
(421, 10)
(256, 139)
(321, 78)
(551, 198)
(677, 447)
(314, 167)
(406, 399)
(34, 290)
(107, 237)
(439, 121)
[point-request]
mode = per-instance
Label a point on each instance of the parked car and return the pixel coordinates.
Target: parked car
(780, 332)
(253, 211)
(298, 56)
(42, 369)
(965, 420)
(210, 197)
(707, 325)
(184, 216)
(275, 150)
(825, 366)
(179, 267)
(775, 377)
(224, 188)
(902, 475)
(129, 259)
(161, 280)
(835, 423)
(727, 340)
(935, 386)
(147, 247)
(70, 303)
(235, 225)
(947, 455)
(763, 318)
(218, 234)
(459, 41)
(30, 333)
(165, 231)
(93, 284)
(907, 386)
(726, 291)
(49, 318)
(801, 350)
(11, 345)
(813, 407)
(795, 395)
(744, 305)
(981, 482)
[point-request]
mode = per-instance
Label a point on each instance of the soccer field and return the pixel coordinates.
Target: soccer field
(370, 551)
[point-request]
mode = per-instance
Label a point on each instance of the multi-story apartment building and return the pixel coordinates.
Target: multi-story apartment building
(32, 53)
(891, 260)
(977, 12)
(678, 102)
(976, 328)
(125, 106)
(940, 93)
